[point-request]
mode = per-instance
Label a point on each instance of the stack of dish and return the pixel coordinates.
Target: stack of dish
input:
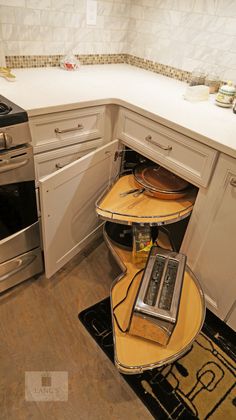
(156, 181)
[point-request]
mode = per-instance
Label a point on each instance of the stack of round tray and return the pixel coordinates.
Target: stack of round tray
(160, 183)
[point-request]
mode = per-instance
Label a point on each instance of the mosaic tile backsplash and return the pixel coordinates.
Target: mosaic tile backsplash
(54, 61)
(182, 34)
(24, 61)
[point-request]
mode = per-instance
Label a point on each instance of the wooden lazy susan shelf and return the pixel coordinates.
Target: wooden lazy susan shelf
(143, 208)
(134, 354)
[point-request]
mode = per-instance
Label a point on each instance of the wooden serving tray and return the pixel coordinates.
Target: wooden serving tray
(134, 354)
(142, 209)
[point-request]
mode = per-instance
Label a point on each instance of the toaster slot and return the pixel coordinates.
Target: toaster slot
(168, 285)
(155, 281)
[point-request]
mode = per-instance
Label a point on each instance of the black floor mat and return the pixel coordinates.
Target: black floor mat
(175, 391)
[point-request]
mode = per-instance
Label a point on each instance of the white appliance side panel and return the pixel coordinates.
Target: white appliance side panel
(68, 204)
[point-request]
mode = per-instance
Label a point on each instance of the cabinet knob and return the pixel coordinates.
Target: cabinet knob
(8, 140)
(5, 140)
(60, 165)
(233, 182)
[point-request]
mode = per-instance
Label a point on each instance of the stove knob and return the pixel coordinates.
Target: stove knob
(8, 140)
(2, 141)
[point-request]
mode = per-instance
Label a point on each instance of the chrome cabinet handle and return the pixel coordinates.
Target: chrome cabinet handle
(68, 130)
(149, 138)
(60, 165)
(233, 182)
(6, 166)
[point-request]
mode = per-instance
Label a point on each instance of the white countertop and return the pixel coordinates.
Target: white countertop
(160, 98)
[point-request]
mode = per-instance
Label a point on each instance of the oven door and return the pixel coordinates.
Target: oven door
(17, 207)
(18, 211)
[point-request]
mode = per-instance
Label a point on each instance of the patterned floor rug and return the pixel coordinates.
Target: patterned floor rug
(200, 385)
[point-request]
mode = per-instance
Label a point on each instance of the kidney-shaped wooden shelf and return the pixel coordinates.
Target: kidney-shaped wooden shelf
(134, 354)
(143, 208)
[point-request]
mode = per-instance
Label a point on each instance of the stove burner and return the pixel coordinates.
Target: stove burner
(11, 114)
(4, 108)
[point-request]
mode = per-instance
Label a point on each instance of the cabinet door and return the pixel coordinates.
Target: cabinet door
(48, 162)
(67, 200)
(210, 242)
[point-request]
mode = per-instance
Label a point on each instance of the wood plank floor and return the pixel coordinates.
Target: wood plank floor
(40, 331)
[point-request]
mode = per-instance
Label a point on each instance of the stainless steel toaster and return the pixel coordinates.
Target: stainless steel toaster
(155, 309)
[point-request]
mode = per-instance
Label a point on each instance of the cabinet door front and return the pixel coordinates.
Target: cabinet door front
(67, 201)
(211, 240)
(48, 162)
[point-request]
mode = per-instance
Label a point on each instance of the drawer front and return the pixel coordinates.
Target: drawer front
(184, 156)
(64, 128)
(48, 162)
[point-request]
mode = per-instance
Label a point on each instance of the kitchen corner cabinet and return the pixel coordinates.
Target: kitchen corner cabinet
(67, 202)
(68, 196)
(210, 240)
(60, 138)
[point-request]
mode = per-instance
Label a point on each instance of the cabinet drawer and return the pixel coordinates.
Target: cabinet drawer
(60, 129)
(48, 162)
(184, 156)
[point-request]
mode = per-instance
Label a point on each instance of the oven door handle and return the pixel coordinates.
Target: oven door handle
(22, 263)
(5, 166)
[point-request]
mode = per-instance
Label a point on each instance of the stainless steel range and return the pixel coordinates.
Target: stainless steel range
(20, 254)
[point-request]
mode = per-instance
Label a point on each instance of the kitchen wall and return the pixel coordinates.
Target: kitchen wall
(47, 27)
(180, 33)
(185, 33)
